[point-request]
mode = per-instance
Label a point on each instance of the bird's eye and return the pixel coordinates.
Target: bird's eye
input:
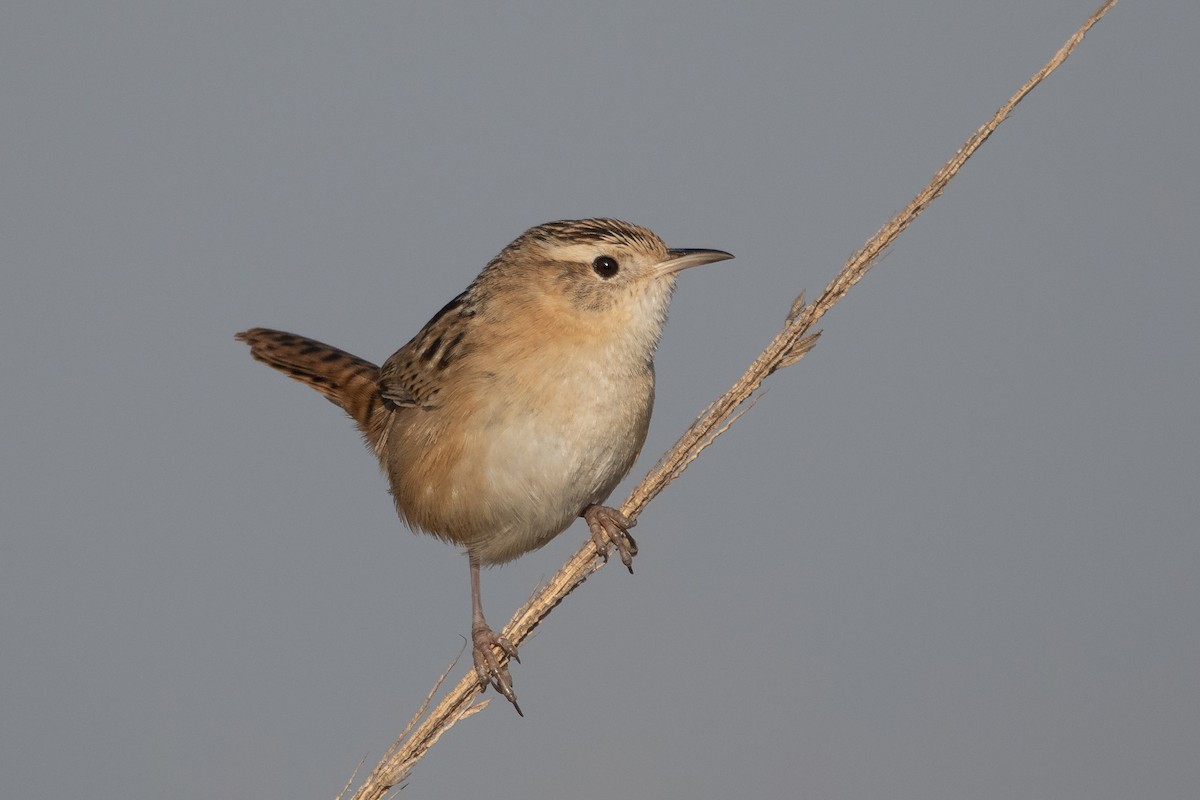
(605, 266)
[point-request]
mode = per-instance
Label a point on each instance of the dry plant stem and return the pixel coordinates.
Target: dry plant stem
(788, 347)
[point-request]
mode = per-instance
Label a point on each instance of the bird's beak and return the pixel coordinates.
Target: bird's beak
(682, 259)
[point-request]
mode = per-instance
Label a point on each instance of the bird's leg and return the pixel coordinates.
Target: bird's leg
(610, 527)
(484, 641)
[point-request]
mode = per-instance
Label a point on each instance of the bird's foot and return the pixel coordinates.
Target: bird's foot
(488, 667)
(610, 527)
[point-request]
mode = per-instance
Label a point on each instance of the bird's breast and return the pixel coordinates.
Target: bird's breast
(520, 446)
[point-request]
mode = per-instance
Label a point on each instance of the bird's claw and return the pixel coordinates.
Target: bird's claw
(610, 527)
(488, 667)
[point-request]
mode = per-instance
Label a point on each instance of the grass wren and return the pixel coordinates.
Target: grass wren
(520, 405)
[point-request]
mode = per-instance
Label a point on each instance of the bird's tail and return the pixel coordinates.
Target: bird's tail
(346, 380)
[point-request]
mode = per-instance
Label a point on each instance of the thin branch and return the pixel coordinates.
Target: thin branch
(788, 347)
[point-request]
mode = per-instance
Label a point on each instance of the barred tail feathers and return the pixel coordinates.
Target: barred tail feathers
(345, 380)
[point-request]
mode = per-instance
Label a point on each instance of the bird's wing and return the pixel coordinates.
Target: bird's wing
(413, 376)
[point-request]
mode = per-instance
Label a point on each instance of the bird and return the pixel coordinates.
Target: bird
(520, 405)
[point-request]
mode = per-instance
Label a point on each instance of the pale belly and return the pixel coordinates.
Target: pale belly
(509, 476)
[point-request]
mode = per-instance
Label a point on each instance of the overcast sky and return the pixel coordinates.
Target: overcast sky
(952, 554)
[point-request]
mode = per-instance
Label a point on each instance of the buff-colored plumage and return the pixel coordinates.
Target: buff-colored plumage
(522, 403)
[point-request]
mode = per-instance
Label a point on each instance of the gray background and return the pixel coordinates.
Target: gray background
(952, 554)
